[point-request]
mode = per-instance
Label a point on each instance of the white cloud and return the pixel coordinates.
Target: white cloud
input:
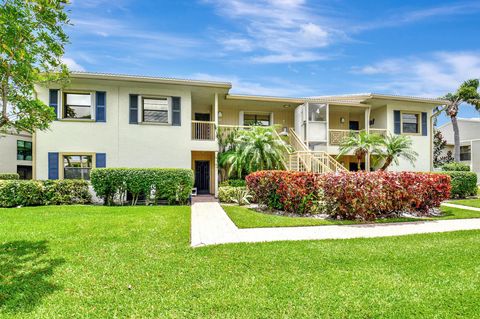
(433, 75)
(413, 16)
(276, 86)
(72, 64)
(277, 30)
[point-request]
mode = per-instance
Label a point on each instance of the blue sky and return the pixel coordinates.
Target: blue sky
(284, 47)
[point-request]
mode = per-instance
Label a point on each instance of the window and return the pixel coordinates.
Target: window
(156, 110)
(410, 123)
(465, 153)
(77, 166)
(77, 106)
(250, 119)
(24, 150)
(317, 112)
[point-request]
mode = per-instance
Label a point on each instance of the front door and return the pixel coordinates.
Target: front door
(202, 117)
(354, 125)
(202, 177)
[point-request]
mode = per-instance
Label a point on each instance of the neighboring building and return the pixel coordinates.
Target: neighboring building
(107, 120)
(469, 130)
(16, 154)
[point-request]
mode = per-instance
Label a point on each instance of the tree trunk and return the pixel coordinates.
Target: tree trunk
(359, 163)
(387, 163)
(456, 138)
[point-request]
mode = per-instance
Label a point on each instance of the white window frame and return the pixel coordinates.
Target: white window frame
(154, 97)
(61, 109)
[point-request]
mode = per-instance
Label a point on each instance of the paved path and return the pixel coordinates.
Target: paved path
(461, 206)
(212, 226)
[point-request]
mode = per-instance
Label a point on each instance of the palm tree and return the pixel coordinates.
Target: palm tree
(256, 149)
(466, 93)
(396, 147)
(361, 144)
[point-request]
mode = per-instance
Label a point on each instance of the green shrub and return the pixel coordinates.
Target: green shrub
(21, 193)
(66, 192)
(51, 192)
(230, 194)
(464, 184)
(9, 176)
(234, 183)
(455, 167)
(171, 184)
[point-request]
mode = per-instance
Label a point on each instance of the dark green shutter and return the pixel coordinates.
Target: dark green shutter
(53, 100)
(100, 106)
(397, 122)
(176, 111)
(101, 160)
(133, 109)
(52, 165)
(424, 124)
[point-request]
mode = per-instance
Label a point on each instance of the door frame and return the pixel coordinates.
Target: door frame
(208, 177)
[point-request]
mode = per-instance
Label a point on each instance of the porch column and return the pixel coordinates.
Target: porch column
(367, 129)
(216, 174)
(215, 110)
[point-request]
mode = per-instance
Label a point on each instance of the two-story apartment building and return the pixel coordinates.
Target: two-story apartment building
(469, 129)
(108, 120)
(16, 154)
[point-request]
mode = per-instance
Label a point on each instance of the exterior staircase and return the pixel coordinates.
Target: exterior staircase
(298, 157)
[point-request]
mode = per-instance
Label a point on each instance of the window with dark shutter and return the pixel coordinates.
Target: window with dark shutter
(133, 109)
(176, 111)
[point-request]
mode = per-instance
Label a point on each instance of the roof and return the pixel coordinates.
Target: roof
(461, 119)
(367, 96)
(151, 79)
(339, 99)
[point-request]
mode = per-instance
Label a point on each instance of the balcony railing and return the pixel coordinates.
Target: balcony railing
(203, 131)
(337, 136)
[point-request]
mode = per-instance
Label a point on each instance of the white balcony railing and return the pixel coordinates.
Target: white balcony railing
(203, 131)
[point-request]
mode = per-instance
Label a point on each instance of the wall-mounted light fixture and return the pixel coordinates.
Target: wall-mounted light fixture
(372, 122)
(220, 114)
(286, 106)
(342, 120)
(284, 132)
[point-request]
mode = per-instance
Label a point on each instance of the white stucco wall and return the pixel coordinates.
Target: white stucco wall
(126, 145)
(421, 144)
(8, 152)
(475, 163)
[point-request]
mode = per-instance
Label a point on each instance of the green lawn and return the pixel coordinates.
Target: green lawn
(248, 218)
(78, 262)
(467, 202)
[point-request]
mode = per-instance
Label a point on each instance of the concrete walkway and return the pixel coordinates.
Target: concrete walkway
(212, 226)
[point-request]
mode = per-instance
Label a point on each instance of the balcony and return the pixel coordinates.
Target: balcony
(337, 136)
(203, 131)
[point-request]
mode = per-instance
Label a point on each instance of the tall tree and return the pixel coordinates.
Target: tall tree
(32, 43)
(397, 147)
(361, 144)
(466, 93)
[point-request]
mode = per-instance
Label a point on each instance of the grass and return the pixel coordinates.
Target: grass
(244, 217)
(467, 202)
(79, 262)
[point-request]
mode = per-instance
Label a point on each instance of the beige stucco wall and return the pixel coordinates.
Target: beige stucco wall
(421, 144)
(126, 145)
(335, 115)
(475, 164)
(8, 152)
(468, 129)
(231, 113)
(380, 116)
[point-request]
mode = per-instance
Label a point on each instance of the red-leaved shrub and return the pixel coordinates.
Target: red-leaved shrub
(350, 195)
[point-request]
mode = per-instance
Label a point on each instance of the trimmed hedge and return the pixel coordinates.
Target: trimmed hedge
(464, 184)
(9, 176)
(171, 184)
(455, 167)
(349, 195)
(35, 193)
(234, 183)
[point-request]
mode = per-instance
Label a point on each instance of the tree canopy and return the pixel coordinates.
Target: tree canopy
(32, 43)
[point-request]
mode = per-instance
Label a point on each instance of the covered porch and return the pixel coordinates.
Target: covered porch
(205, 170)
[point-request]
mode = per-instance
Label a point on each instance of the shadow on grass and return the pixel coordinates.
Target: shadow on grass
(24, 273)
